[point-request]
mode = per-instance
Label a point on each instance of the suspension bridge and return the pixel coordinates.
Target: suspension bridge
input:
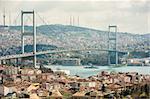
(112, 47)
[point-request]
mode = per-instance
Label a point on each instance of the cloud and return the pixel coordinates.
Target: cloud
(136, 6)
(129, 15)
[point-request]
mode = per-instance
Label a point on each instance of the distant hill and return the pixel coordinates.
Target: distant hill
(73, 37)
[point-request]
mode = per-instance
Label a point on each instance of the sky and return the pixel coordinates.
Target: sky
(131, 16)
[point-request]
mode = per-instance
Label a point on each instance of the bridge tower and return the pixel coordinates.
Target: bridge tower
(112, 43)
(33, 33)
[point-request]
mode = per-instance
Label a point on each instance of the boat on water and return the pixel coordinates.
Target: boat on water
(91, 66)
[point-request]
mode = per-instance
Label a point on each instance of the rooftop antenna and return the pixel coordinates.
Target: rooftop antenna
(70, 20)
(78, 20)
(9, 18)
(4, 18)
(73, 20)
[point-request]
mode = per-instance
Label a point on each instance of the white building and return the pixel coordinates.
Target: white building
(4, 90)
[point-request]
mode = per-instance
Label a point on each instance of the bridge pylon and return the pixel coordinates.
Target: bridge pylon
(33, 33)
(112, 43)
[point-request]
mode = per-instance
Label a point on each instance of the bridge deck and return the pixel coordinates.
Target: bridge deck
(52, 51)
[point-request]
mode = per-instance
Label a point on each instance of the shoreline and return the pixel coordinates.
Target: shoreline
(79, 70)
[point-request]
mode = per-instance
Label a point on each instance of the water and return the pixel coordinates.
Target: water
(82, 72)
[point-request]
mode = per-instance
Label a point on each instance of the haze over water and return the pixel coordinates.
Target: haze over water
(82, 72)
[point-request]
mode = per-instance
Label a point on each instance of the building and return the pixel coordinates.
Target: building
(79, 95)
(55, 94)
(139, 62)
(70, 61)
(88, 84)
(4, 90)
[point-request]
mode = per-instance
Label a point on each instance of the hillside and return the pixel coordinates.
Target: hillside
(72, 37)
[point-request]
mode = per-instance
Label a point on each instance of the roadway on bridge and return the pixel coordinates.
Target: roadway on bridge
(52, 51)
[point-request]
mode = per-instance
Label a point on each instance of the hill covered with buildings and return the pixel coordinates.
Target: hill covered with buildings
(73, 37)
(67, 36)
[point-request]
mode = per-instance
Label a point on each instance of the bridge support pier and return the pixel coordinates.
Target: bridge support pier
(116, 58)
(108, 58)
(34, 62)
(17, 62)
